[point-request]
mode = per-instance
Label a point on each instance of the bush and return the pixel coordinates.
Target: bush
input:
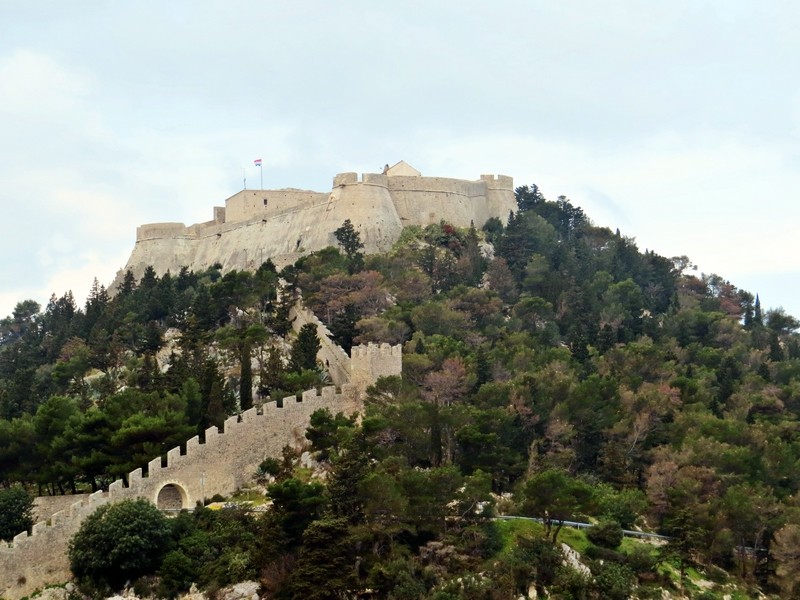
(614, 581)
(177, 573)
(605, 554)
(606, 535)
(16, 512)
(641, 560)
(118, 543)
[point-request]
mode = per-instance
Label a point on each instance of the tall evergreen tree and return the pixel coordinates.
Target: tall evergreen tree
(305, 348)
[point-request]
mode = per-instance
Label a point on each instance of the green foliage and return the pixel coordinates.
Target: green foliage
(556, 497)
(350, 241)
(305, 348)
(327, 433)
(607, 534)
(296, 506)
(590, 378)
(16, 512)
(324, 566)
(614, 581)
(118, 543)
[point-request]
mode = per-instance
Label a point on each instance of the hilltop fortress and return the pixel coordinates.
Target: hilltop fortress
(285, 224)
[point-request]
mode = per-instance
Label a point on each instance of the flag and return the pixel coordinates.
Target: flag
(257, 162)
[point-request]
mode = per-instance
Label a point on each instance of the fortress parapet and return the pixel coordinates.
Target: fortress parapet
(498, 182)
(368, 363)
(285, 224)
(161, 230)
(345, 179)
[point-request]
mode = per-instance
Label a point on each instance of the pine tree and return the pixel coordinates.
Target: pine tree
(350, 241)
(272, 373)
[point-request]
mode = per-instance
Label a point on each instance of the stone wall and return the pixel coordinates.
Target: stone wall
(330, 354)
(44, 506)
(295, 222)
(219, 464)
(368, 363)
(249, 204)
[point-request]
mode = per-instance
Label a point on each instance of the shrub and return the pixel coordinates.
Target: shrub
(118, 543)
(16, 512)
(614, 581)
(605, 554)
(177, 573)
(607, 534)
(641, 560)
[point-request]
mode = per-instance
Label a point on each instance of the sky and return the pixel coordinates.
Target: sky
(675, 121)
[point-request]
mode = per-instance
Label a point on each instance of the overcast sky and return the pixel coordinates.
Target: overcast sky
(675, 121)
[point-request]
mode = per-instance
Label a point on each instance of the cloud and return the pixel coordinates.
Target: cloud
(706, 195)
(32, 84)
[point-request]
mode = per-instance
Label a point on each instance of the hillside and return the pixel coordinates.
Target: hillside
(550, 369)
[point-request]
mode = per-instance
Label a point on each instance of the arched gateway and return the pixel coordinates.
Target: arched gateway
(172, 496)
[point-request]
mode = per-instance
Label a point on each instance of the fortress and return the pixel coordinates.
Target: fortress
(253, 226)
(285, 224)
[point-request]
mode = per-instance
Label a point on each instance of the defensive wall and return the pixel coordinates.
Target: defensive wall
(330, 354)
(220, 462)
(285, 224)
(370, 362)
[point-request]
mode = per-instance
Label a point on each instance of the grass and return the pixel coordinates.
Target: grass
(630, 544)
(574, 538)
(252, 496)
(510, 529)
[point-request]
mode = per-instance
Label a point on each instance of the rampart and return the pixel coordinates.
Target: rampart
(330, 354)
(218, 463)
(285, 224)
(368, 363)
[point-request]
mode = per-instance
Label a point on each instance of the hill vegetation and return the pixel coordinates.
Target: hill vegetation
(551, 369)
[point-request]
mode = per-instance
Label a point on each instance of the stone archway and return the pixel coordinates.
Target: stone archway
(172, 496)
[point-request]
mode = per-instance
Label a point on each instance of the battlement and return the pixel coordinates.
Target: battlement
(368, 363)
(160, 230)
(499, 182)
(344, 179)
(284, 224)
(376, 350)
(219, 464)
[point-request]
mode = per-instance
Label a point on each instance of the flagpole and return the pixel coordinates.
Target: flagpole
(257, 162)
(244, 179)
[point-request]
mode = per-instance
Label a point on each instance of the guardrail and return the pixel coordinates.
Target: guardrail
(579, 525)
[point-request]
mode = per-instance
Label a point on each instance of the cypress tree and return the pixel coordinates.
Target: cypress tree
(305, 348)
(246, 379)
(758, 318)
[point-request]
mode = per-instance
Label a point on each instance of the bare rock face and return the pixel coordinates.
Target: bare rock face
(285, 224)
(247, 590)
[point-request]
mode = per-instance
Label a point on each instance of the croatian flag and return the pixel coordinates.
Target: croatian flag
(257, 162)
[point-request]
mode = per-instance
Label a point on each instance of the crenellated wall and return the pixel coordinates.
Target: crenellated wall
(330, 354)
(368, 363)
(220, 464)
(285, 224)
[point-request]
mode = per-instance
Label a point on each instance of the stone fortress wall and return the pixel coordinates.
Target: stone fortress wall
(285, 224)
(372, 361)
(220, 463)
(335, 359)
